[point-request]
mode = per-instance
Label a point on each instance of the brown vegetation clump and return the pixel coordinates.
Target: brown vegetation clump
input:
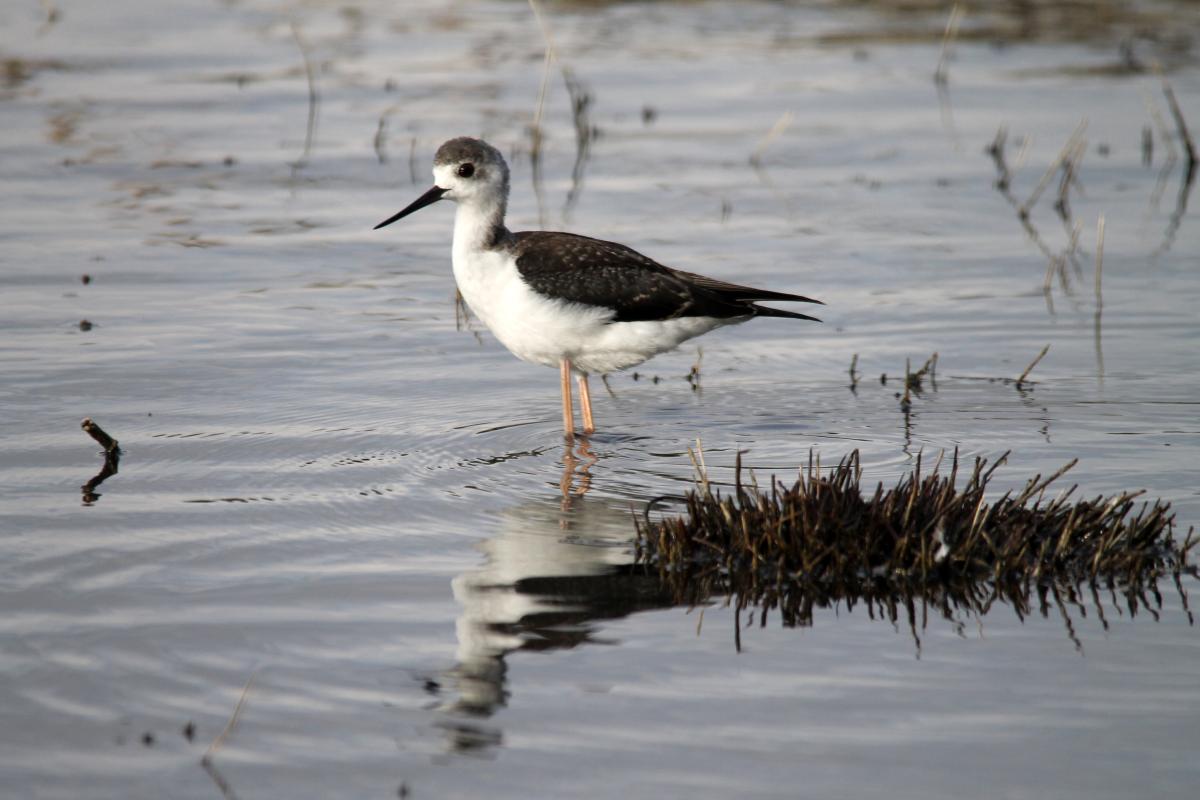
(925, 543)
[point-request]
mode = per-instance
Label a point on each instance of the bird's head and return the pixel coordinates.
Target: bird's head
(465, 170)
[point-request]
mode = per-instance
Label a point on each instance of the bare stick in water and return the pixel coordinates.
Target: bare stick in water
(1099, 257)
(96, 432)
(1033, 364)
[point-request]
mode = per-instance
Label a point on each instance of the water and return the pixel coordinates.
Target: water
(331, 491)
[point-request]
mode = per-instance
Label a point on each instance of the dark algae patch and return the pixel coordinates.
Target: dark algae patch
(922, 545)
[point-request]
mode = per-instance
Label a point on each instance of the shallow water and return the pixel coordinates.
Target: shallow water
(330, 491)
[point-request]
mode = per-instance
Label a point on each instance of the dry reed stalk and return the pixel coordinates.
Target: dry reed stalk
(1032, 364)
(781, 125)
(314, 97)
(941, 73)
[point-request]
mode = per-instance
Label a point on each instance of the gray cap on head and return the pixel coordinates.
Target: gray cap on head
(464, 148)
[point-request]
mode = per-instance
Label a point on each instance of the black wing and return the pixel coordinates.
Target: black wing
(594, 272)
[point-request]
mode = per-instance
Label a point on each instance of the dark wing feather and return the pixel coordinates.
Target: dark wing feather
(737, 292)
(594, 272)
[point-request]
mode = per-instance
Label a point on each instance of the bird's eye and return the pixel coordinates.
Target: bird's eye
(466, 170)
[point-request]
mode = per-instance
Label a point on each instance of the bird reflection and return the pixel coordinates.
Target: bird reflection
(555, 568)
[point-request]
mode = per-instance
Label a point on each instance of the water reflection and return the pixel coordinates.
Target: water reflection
(909, 606)
(112, 460)
(557, 566)
(561, 565)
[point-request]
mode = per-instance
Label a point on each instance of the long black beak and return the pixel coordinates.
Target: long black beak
(429, 198)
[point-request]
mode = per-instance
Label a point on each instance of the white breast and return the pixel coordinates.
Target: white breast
(544, 330)
(533, 327)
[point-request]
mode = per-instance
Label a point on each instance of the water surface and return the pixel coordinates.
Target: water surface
(334, 489)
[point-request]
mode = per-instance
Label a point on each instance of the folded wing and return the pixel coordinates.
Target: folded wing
(594, 272)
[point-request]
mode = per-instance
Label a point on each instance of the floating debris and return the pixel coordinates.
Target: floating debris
(924, 543)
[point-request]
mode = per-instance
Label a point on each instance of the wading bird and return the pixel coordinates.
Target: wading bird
(583, 305)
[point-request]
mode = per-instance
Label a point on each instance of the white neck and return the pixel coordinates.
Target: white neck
(479, 223)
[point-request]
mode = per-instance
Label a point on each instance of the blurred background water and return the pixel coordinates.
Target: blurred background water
(337, 489)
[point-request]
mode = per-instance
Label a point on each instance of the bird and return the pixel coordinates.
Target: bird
(586, 306)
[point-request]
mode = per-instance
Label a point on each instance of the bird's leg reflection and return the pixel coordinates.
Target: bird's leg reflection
(576, 466)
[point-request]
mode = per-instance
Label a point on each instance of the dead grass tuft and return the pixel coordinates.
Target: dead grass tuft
(923, 544)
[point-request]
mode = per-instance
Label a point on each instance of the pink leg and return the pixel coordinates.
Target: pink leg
(567, 406)
(585, 405)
